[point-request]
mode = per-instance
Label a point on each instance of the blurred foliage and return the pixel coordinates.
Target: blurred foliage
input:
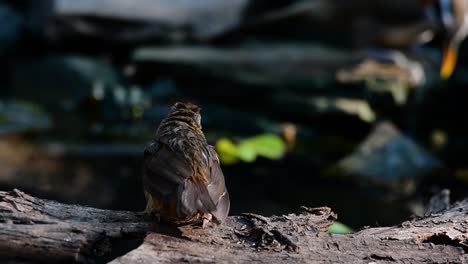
(339, 228)
(398, 89)
(268, 146)
(355, 107)
(439, 138)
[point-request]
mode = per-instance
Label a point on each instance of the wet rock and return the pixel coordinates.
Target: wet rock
(163, 19)
(439, 202)
(62, 81)
(22, 117)
(387, 157)
(294, 65)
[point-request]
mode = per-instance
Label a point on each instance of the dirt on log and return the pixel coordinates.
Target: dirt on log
(37, 230)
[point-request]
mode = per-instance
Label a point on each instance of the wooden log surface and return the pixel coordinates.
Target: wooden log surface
(46, 231)
(38, 230)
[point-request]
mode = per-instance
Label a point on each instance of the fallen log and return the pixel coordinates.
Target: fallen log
(37, 230)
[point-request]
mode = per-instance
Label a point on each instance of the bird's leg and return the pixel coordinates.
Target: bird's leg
(149, 203)
(156, 216)
(150, 210)
(153, 214)
(206, 219)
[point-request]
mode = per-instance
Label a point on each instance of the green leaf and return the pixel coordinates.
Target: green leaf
(227, 151)
(268, 146)
(339, 228)
(246, 152)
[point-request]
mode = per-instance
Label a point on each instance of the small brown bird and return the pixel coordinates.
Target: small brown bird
(183, 181)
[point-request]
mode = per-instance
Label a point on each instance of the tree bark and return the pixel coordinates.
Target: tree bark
(37, 230)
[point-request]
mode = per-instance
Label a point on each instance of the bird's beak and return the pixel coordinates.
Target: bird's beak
(449, 60)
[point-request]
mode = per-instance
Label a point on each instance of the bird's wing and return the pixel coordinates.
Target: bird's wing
(217, 188)
(169, 177)
(163, 170)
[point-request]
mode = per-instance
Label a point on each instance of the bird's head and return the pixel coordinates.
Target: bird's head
(188, 110)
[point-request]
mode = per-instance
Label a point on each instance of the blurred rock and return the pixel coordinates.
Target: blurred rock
(388, 157)
(140, 21)
(352, 23)
(68, 75)
(439, 202)
(62, 81)
(149, 19)
(274, 65)
(84, 95)
(305, 69)
(22, 117)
